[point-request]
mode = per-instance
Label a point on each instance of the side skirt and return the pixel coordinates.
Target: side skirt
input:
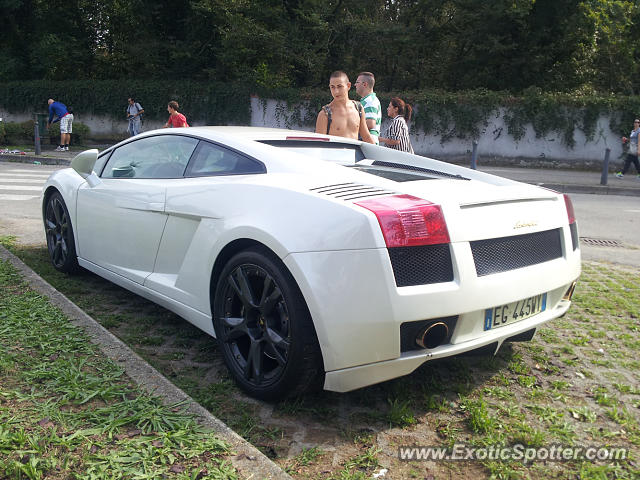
(193, 316)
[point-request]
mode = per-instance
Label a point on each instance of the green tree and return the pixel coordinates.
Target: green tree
(453, 45)
(611, 45)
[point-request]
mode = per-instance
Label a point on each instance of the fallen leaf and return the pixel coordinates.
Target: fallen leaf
(177, 468)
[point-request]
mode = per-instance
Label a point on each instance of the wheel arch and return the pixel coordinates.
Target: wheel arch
(229, 250)
(46, 194)
(71, 208)
(239, 245)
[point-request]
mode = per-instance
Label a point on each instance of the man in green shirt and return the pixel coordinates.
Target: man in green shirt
(372, 109)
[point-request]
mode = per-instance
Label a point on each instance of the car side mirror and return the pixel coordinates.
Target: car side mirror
(83, 162)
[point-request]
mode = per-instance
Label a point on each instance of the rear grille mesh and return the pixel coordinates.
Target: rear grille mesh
(421, 265)
(509, 253)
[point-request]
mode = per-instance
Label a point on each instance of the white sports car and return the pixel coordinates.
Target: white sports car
(316, 261)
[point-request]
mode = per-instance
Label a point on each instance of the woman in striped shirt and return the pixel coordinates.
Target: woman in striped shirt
(397, 136)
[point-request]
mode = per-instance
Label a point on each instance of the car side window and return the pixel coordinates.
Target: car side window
(161, 156)
(211, 159)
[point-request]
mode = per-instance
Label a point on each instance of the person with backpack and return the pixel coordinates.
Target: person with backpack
(134, 115)
(342, 117)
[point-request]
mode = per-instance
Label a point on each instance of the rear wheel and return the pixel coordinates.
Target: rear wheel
(264, 328)
(59, 233)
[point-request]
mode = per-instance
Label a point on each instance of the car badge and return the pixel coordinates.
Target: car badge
(520, 224)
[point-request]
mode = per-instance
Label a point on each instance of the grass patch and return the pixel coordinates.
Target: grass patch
(68, 412)
(559, 388)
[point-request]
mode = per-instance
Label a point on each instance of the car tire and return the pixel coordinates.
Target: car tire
(59, 232)
(264, 328)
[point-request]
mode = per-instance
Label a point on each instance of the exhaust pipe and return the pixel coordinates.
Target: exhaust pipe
(569, 293)
(433, 336)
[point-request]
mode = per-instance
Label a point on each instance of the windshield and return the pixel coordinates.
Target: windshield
(342, 153)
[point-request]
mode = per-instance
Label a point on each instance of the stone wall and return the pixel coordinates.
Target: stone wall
(495, 145)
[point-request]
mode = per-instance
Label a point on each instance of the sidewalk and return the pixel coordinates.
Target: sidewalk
(565, 181)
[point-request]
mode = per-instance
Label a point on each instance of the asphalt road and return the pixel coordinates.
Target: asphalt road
(20, 189)
(609, 225)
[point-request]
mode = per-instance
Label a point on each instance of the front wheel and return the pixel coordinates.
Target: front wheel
(59, 233)
(264, 328)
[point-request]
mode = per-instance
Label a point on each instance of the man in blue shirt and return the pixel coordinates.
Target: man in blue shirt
(66, 123)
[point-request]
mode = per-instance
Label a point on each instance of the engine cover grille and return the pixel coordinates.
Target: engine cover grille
(421, 265)
(351, 191)
(509, 253)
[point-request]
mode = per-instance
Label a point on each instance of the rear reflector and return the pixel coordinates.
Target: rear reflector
(408, 221)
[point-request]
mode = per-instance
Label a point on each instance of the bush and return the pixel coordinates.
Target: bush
(79, 135)
(213, 103)
(450, 115)
(15, 132)
(22, 132)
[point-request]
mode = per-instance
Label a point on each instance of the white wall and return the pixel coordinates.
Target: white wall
(495, 145)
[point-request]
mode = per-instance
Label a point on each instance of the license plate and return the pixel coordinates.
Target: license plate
(514, 312)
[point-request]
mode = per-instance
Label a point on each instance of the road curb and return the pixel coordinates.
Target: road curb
(248, 460)
(38, 159)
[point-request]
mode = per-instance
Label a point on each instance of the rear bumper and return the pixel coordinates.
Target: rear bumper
(347, 379)
(358, 310)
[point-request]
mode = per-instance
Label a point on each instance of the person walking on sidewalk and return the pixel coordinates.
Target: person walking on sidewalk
(134, 115)
(634, 150)
(176, 119)
(65, 117)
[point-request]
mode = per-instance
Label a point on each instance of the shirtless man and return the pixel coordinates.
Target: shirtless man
(347, 117)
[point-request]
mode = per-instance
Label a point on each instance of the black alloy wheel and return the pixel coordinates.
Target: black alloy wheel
(59, 233)
(264, 328)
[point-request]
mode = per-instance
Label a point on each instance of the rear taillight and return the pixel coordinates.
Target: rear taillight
(408, 221)
(570, 213)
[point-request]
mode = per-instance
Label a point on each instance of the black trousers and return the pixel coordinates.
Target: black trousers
(627, 163)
